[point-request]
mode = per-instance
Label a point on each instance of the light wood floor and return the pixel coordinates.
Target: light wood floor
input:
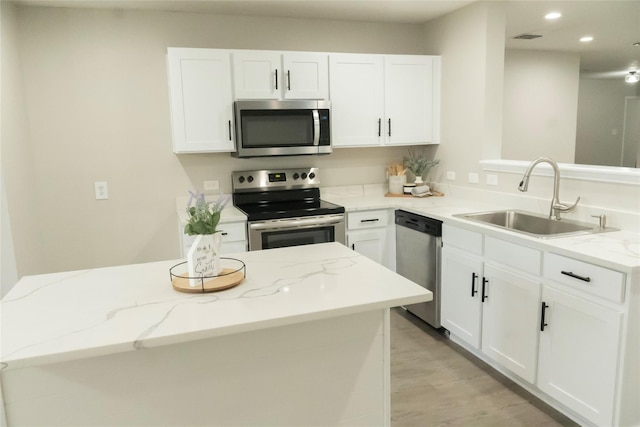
(435, 382)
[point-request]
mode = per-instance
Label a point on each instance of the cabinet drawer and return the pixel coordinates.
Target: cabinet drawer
(586, 277)
(513, 255)
(367, 219)
(233, 231)
(470, 241)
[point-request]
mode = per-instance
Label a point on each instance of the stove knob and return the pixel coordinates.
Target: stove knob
(250, 178)
(312, 175)
(296, 175)
(304, 175)
(241, 179)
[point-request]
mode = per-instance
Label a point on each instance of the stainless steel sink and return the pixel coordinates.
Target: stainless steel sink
(533, 224)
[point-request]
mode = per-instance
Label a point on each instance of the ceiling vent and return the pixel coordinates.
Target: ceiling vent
(527, 36)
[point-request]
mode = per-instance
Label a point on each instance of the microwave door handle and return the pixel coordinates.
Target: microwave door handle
(316, 128)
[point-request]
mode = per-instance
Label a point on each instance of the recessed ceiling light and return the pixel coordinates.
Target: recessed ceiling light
(552, 15)
(586, 39)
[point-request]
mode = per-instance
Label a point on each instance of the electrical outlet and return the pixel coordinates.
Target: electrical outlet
(473, 178)
(451, 175)
(102, 191)
(492, 179)
(211, 185)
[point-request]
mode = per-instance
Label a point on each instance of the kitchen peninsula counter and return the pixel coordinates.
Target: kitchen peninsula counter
(118, 345)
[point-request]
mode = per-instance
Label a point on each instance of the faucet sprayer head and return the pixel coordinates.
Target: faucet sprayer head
(524, 185)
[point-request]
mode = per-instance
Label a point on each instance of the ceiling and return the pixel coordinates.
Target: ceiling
(615, 24)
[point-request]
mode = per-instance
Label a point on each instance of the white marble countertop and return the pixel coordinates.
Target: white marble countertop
(619, 250)
(66, 316)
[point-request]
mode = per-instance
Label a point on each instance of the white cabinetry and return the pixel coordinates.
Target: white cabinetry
(566, 326)
(200, 100)
(234, 238)
(580, 338)
(384, 99)
(280, 75)
(372, 234)
(479, 287)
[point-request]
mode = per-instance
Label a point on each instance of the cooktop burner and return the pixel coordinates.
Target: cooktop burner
(278, 194)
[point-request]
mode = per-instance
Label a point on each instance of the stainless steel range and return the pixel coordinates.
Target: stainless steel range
(283, 208)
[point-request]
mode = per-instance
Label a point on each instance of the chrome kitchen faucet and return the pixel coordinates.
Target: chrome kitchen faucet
(556, 205)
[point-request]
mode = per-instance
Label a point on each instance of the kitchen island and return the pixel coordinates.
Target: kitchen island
(303, 340)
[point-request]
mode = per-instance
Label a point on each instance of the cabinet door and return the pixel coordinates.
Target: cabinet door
(201, 101)
(257, 75)
(370, 243)
(411, 99)
(306, 75)
(578, 354)
(511, 320)
(461, 289)
(357, 99)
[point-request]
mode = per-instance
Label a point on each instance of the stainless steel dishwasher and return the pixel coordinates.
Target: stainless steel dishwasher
(418, 247)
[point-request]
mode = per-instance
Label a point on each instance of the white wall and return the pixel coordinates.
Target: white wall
(601, 120)
(471, 42)
(540, 105)
(20, 224)
(97, 101)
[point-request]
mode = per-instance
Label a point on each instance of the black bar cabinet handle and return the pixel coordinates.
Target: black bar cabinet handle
(288, 80)
(474, 291)
(542, 322)
(370, 220)
(276, 79)
(379, 127)
(229, 130)
(224, 233)
(389, 127)
(575, 276)
(484, 283)
(353, 246)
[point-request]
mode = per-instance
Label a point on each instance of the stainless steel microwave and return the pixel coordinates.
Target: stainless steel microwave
(282, 128)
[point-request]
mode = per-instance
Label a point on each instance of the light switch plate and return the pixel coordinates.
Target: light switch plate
(102, 190)
(451, 175)
(473, 178)
(492, 179)
(211, 185)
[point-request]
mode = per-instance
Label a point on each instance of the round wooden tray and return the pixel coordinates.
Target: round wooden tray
(227, 278)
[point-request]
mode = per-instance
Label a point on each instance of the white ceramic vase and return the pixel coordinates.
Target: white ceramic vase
(203, 258)
(418, 181)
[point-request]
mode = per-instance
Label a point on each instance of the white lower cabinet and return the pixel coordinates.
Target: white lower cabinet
(561, 324)
(492, 309)
(510, 316)
(372, 233)
(579, 349)
(461, 311)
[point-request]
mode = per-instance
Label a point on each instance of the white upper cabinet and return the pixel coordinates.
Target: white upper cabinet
(257, 75)
(384, 99)
(357, 99)
(280, 75)
(201, 100)
(412, 99)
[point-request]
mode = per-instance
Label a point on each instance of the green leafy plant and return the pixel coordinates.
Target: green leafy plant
(203, 216)
(417, 163)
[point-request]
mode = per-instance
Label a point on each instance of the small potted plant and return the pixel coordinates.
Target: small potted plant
(203, 258)
(418, 165)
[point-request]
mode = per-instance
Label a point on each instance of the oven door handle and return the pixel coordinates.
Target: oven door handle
(296, 223)
(316, 127)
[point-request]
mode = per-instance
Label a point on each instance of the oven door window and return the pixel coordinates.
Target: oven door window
(276, 128)
(296, 237)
